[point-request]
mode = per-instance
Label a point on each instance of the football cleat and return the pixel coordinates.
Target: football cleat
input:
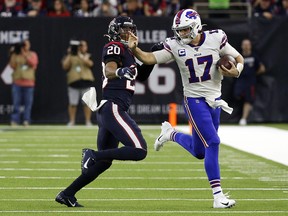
(88, 159)
(69, 201)
(243, 122)
(165, 135)
(223, 202)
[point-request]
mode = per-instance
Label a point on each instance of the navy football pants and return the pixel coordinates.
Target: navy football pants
(115, 125)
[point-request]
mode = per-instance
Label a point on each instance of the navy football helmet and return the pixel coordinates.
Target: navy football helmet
(119, 27)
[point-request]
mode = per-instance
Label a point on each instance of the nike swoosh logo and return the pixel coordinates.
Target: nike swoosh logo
(86, 163)
(72, 204)
(226, 204)
(159, 138)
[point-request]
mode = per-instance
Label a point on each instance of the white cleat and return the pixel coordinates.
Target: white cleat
(243, 122)
(223, 202)
(166, 131)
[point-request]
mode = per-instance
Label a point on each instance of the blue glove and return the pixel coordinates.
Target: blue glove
(157, 46)
(127, 72)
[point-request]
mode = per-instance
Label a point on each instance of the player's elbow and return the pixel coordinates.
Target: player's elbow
(152, 59)
(240, 59)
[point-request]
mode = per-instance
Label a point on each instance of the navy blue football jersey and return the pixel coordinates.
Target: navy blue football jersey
(249, 73)
(120, 91)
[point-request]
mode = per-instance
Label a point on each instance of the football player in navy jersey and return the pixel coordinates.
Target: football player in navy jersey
(245, 85)
(120, 71)
(196, 53)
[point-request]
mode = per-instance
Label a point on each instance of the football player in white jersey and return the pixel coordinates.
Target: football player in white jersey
(196, 53)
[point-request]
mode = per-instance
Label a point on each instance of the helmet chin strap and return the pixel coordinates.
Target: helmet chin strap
(124, 38)
(191, 36)
(187, 40)
(124, 42)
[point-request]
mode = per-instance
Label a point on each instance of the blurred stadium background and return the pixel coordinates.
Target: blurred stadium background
(50, 38)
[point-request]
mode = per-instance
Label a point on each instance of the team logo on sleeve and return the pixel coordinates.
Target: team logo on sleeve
(181, 52)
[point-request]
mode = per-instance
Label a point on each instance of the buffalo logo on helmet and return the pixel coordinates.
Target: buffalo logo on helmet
(192, 14)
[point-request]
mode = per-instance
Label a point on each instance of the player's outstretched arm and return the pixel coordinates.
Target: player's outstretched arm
(145, 57)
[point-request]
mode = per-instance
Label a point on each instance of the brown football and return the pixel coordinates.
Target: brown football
(224, 60)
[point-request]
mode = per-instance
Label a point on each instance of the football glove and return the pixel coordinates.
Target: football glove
(127, 72)
(157, 46)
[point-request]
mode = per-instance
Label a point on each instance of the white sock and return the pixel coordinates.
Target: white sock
(217, 192)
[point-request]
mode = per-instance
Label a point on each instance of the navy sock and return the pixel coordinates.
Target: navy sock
(84, 179)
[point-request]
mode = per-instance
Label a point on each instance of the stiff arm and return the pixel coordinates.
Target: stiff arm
(145, 57)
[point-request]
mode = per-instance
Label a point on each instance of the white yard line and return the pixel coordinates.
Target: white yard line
(266, 142)
(147, 189)
(150, 212)
(142, 199)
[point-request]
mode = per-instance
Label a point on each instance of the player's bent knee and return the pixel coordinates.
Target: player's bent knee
(214, 141)
(140, 154)
(200, 156)
(199, 153)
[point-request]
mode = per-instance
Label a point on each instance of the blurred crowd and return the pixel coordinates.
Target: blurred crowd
(90, 8)
(111, 8)
(270, 8)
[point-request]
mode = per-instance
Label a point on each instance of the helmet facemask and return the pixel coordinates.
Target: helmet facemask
(119, 29)
(124, 32)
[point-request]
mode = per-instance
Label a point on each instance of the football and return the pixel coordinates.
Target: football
(224, 60)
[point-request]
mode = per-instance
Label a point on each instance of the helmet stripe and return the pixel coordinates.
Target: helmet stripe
(178, 16)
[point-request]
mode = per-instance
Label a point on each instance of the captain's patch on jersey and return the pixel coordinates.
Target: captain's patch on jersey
(182, 52)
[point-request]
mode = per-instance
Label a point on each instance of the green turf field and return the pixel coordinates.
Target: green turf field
(39, 161)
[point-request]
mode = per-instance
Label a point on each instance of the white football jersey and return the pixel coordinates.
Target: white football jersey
(197, 64)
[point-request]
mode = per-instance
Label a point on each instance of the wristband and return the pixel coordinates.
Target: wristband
(239, 67)
(116, 72)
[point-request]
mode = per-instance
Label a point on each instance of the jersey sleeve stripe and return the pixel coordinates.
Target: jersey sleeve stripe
(177, 20)
(223, 43)
(167, 47)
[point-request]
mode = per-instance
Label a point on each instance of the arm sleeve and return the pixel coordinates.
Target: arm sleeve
(144, 72)
(163, 56)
